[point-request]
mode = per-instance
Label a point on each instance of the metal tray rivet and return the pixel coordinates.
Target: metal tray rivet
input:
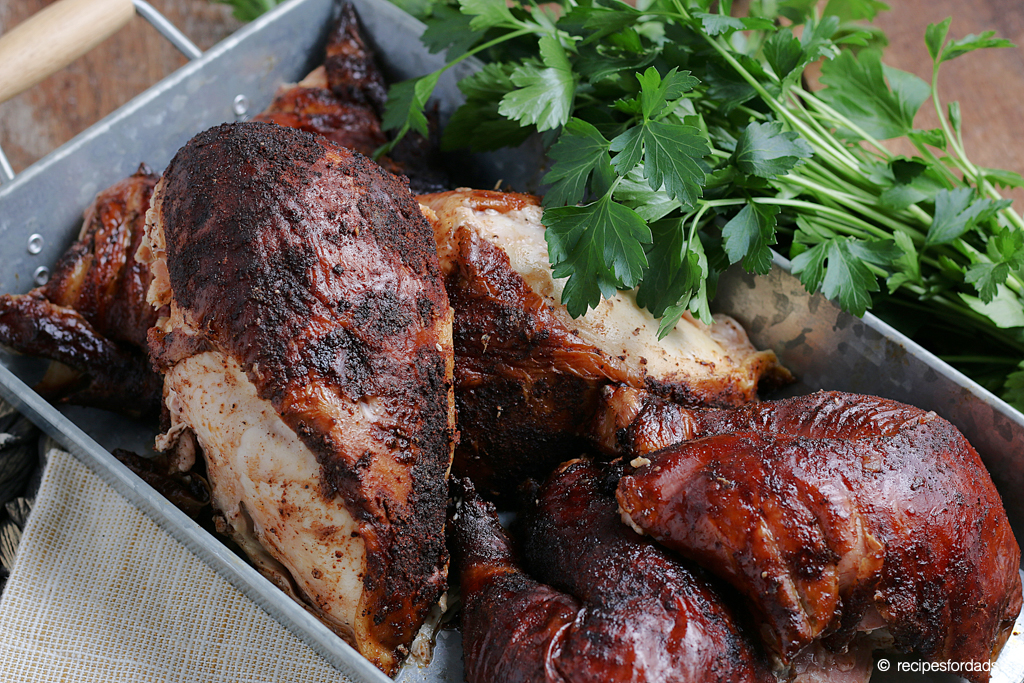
(240, 106)
(41, 276)
(35, 244)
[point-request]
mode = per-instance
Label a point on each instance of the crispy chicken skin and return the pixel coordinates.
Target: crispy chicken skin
(604, 604)
(308, 346)
(528, 376)
(836, 513)
(92, 316)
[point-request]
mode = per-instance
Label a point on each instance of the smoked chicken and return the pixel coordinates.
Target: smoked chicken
(836, 514)
(308, 348)
(528, 376)
(344, 99)
(91, 317)
(600, 604)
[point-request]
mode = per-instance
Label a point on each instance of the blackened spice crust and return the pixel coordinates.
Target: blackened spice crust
(316, 270)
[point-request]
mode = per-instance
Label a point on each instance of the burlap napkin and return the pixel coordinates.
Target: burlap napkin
(100, 593)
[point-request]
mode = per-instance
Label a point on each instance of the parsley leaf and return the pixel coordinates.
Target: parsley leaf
(651, 205)
(971, 43)
(857, 89)
(986, 277)
(693, 269)
(579, 150)
(487, 13)
(669, 277)
(629, 148)
(1004, 309)
(598, 247)
(1006, 249)
(956, 212)
(477, 123)
(816, 40)
(1006, 179)
(847, 278)
(717, 24)
(935, 37)
(907, 263)
(935, 137)
(783, 52)
(671, 153)
(764, 150)
(656, 92)
(855, 10)
(448, 29)
(406, 102)
(544, 95)
(1013, 390)
(749, 236)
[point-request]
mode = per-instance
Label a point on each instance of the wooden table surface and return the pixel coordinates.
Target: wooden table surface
(988, 84)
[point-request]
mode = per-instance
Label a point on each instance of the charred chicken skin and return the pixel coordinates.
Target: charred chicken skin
(308, 347)
(606, 605)
(836, 513)
(91, 317)
(529, 376)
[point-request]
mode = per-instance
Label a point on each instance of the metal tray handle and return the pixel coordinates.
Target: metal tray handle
(61, 33)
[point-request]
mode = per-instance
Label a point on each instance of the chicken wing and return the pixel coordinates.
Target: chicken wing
(529, 376)
(92, 316)
(344, 99)
(308, 346)
(836, 513)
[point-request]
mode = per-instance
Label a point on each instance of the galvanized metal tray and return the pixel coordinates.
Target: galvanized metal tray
(824, 347)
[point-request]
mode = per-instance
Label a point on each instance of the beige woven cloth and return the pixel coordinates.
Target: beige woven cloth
(101, 593)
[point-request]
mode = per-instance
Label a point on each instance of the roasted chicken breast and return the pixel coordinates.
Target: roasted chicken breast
(308, 346)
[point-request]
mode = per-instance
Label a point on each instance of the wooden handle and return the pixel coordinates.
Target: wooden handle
(54, 37)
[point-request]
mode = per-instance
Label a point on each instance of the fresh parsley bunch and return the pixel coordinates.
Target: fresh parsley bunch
(683, 139)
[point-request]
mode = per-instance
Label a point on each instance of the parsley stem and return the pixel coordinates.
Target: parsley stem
(486, 46)
(841, 120)
(826, 210)
(860, 185)
(826, 134)
(952, 140)
(852, 203)
(951, 180)
(964, 314)
(921, 215)
(722, 202)
(823, 146)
